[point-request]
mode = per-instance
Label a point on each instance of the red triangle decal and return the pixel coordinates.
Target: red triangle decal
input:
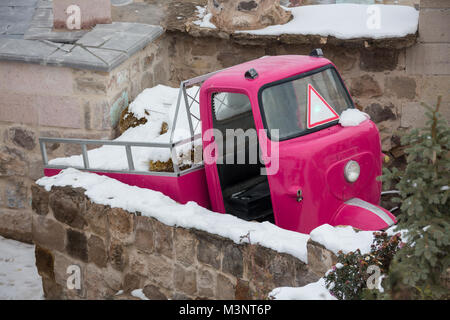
(319, 111)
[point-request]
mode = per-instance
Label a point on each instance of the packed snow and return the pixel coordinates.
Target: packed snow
(352, 117)
(313, 291)
(19, 279)
(342, 238)
(157, 105)
(138, 293)
(347, 21)
(204, 18)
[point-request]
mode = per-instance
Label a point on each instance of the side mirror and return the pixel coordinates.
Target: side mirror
(317, 53)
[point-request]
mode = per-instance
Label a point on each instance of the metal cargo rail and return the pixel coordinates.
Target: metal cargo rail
(183, 94)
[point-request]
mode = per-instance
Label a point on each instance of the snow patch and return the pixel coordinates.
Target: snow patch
(204, 18)
(313, 291)
(342, 238)
(19, 279)
(352, 117)
(347, 21)
(138, 293)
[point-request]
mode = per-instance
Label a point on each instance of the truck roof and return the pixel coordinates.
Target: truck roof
(269, 68)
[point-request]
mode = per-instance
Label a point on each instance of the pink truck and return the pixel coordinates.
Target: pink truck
(310, 170)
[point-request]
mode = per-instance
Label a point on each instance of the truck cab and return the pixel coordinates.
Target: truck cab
(312, 170)
(272, 146)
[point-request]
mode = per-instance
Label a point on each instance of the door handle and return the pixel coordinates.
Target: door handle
(299, 195)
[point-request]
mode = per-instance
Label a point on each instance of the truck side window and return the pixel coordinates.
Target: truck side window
(228, 105)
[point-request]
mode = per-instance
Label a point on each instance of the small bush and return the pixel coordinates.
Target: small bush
(348, 279)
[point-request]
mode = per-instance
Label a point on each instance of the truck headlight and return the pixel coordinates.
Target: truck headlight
(352, 171)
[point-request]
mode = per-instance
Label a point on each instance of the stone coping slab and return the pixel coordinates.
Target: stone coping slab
(15, 17)
(102, 49)
(180, 17)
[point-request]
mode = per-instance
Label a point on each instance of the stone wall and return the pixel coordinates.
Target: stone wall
(117, 250)
(46, 101)
(386, 80)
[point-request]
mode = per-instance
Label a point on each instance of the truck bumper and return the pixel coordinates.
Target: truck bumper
(363, 215)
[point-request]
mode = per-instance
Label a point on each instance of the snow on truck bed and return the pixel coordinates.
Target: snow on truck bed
(343, 21)
(157, 105)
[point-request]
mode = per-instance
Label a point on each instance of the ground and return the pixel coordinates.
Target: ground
(19, 279)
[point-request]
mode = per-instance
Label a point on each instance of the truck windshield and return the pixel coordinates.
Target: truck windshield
(304, 104)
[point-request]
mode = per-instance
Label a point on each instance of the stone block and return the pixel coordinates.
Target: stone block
(380, 113)
(22, 137)
(48, 233)
(365, 86)
(117, 255)
(103, 283)
(96, 219)
(282, 271)
(111, 57)
(120, 224)
(16, 224)
(225, 288)
(97, 251)
(35, 169)
(16, 194)
(25, 50)
(185, 243)
(154, 293)
(243, 291)
(77, 245)
(91, 12)
(18, 108)
(131, 282)
(160, 270)
(90, 84)
(434, 25)
(320, 259)
(206, 281)
(144, 240)
(163, 238)
(303, 274)
(401, 87)
(45, 262)
(428, 58)
(69, 206)
(12, 162)
(35, 79)
(209, 249)
(54, 111)
(232, 262)
(378, 59)
(78, 58)
(185, 280)
(40, 200)
(434, 4)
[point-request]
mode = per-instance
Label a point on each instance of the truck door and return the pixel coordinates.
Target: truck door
(231, 158)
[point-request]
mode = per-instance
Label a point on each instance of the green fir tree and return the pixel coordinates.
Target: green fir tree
(420, 270)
